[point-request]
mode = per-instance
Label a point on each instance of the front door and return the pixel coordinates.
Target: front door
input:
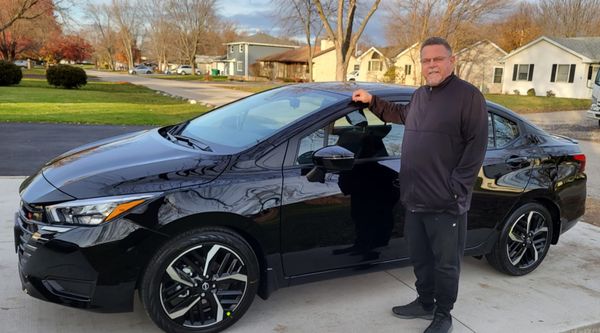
(353, 217)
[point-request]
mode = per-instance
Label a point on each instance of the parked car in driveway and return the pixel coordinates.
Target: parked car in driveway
(186, 70)
(21, 63)
(287, 186)
(140, 69)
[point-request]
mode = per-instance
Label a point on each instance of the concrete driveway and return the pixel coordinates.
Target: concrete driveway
(199, 91)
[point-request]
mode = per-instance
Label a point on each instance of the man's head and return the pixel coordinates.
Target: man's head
(437, 61)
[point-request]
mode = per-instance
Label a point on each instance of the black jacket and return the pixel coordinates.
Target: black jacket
(445, 139)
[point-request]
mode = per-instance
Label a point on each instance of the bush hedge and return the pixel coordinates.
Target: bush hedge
(66, 76)
(9, 73)
(531, 92)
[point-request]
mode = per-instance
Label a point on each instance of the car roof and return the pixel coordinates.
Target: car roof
(346, 88)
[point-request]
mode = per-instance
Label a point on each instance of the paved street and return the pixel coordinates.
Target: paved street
(199, 91)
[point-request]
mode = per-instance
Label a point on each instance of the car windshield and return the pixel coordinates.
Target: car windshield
(248, 121)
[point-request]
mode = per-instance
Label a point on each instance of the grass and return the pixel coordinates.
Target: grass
(531, 104)
(33, 100)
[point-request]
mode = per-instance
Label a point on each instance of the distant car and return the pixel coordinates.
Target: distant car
(140, 69)
(290, 185)
(21, 63)
(352, 76)
(186, 70)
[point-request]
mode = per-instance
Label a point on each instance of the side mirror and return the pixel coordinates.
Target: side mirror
(330, 158)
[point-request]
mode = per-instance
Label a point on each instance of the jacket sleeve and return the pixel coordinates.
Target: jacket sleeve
(474, 131)
(388, 111)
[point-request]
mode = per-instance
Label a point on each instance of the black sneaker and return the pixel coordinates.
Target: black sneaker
(415, 309)
(442, 323)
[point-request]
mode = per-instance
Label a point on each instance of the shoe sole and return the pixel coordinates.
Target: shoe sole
(427, 317)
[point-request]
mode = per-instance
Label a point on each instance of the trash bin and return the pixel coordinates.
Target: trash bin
(214, 72)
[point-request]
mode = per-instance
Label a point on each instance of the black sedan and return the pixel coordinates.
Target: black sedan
(287, 186)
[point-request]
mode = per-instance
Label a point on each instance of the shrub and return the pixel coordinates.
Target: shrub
(550, 93)
(9, 73)
(66, 76)
(516, 92)
(531, 92)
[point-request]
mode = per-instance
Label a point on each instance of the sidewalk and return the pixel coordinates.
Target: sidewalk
(205, 93)
(561, 295)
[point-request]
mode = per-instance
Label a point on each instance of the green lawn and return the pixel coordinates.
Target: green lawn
(33, 100)
(530, 104)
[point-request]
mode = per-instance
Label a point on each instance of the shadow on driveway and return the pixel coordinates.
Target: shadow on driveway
(26, 147)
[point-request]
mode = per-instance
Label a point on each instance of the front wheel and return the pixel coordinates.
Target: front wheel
(524, 240)
(203, 280)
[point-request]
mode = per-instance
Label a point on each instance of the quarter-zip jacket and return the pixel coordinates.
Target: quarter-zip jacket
(445, 138)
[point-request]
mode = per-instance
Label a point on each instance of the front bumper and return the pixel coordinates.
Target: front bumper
(594, 112)
(93, 268)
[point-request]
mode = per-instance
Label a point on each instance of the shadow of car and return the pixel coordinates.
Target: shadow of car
(287, 186)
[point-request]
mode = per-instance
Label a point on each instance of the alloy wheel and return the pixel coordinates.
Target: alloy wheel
(203, 285)
(527, 240)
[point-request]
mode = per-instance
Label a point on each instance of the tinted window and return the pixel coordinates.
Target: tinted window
(505, 130)
(257, 117)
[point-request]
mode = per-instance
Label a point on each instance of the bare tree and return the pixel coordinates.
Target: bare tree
(410, 21)
(192, 20)
(570, 18)
(12, 11)
(301, 17)
(517, 29)
(102, 33)
(343, 38)
(128, 22)
(161, 31)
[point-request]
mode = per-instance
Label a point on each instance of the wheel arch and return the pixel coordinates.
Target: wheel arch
(545, 199)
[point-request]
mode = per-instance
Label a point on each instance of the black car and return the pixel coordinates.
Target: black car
(291, 185)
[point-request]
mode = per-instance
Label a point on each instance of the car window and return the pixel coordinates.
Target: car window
(372, 139)
(505, 130)
(252, 119)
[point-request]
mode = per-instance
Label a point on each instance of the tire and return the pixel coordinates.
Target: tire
(176, 295)
(523, 245)
(134, 72)
(149, 72)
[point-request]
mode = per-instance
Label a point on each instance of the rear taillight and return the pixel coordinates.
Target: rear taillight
(581, 159)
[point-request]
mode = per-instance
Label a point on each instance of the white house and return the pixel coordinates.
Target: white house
(562, 66)
(480, 65)
(408, 66)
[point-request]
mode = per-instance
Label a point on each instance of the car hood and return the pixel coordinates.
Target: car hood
(132, 163)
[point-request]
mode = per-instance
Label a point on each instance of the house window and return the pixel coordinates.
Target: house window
(230, 48)
(241, 48)
(498, 71)
(239, 66)
(562, 73)
(407, 69)
(375, 65)
(523, 72)
(356, 67)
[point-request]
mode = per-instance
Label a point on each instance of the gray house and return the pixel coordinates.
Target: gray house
(245, 52)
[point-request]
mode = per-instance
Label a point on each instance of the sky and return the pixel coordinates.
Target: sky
(255, 15)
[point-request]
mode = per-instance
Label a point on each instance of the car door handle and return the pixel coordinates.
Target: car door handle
(517, 161)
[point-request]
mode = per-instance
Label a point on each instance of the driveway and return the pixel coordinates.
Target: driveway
(199, 91)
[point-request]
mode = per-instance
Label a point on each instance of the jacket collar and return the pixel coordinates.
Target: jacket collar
(443, 83)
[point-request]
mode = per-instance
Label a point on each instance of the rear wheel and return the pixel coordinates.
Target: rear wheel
(203, 280)
(524, 240)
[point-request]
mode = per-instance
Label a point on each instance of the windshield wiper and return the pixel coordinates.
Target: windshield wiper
(189, 141)
(177, 129)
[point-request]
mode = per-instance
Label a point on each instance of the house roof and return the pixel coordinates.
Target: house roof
(586, 48)
(291, 56)
(479, 43)
(391, 52)
(406, 50)
(263, 39)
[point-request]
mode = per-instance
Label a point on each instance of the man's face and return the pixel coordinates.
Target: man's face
(436, 64)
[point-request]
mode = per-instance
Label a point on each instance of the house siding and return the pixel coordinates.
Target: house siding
(254, 52)
(477, 64)
(410, 57)
(543, 55)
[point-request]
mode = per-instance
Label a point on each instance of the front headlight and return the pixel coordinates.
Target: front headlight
(95, 211)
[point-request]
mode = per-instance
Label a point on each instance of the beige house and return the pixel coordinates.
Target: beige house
(325, 61)
(480, 65)
(408, 66)
(373, 64)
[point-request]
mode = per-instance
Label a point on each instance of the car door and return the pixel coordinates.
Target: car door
(352, 218)
(503, 177)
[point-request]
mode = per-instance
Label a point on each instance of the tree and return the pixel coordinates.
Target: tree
(102, 34)
(569, 18)
(301, 17)
(343, 38)
(128, 22)
(518, 29)
(192, 20)
(12, 11)
(161, 31)
(70, 47)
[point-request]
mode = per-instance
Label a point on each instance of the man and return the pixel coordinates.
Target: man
(444, 144)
